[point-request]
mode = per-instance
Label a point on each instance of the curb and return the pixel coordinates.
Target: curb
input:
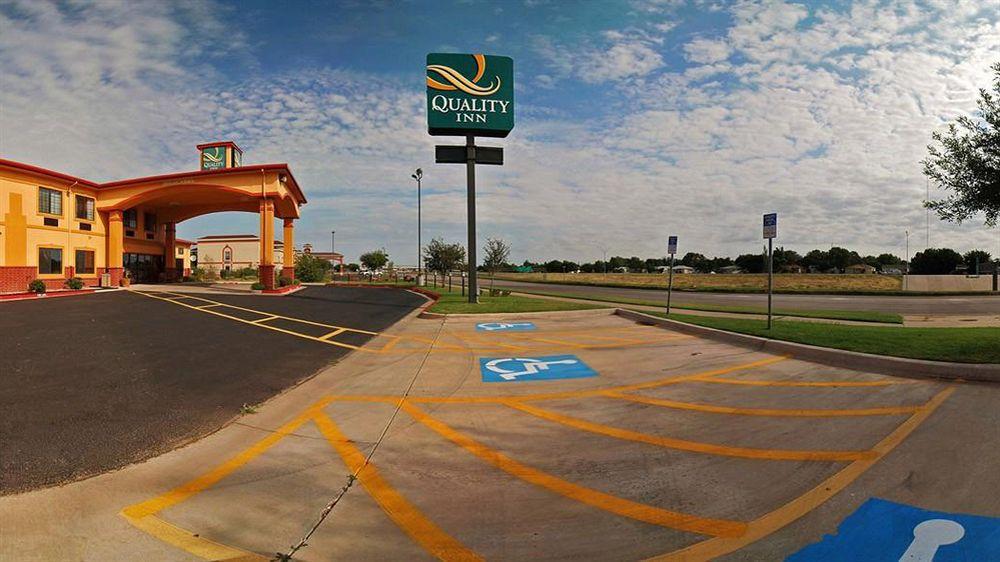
(895, 366)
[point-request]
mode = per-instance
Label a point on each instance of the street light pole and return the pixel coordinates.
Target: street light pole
(333, 247)
(418, 175)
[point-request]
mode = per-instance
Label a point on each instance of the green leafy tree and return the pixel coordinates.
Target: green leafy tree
(752, 263)
(842, 257)
(496, 252)
(374, 260)
(442, 258)
(965, 161)
(976, 259)
(310, 269)
(935, 261)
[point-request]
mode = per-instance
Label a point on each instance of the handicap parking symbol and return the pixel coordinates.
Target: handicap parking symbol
(505, 326)
(550, 367)
(884, 531)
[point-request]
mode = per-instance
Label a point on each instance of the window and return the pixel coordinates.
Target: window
(50, 261)
(130, 219)
(84, 208)
(84, 261)
(227, 254)
(149, 221)
(49, 201)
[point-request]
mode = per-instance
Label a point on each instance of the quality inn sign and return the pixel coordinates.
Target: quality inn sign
(470, 95)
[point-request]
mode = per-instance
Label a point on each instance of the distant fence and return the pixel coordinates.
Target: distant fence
(948, 283)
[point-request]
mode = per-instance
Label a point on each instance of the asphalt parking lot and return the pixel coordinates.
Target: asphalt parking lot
(90, 384)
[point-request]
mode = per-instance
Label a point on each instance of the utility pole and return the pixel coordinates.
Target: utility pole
(333, 248)
(906, 272)
(927, 242)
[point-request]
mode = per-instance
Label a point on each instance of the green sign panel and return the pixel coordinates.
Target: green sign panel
(213, 157)
(470, 95)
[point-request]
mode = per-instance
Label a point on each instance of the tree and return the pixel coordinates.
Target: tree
(752, 263)
(817, 260)
(495, 255)
(967, 162)
(374, 260)
(442, 258)
(842, 257)
(310, 269)
(886, 261)
(975, 259)
(935, 261)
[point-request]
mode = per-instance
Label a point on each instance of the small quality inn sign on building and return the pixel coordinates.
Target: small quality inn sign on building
(470, 95)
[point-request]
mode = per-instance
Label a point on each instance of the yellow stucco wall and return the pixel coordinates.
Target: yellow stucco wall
(24, 229)
(246, 253)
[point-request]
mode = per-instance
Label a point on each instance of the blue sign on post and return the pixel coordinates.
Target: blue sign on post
(549, 367)
(884, 531)
(505, 326)
(771, 225)
(671, 245)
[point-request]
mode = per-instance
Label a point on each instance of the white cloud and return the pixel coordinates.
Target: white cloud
(707, 51)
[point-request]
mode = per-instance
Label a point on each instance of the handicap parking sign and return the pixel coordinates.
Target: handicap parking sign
(549, 367)
(884, 531)
(505, 326)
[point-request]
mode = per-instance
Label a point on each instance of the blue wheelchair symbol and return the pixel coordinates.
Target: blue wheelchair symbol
(884, 531)
(550, 367)
(505, 326)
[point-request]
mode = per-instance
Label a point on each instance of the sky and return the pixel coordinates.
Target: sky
(635, 119)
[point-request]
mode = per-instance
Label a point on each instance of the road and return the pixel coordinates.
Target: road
(957, 305)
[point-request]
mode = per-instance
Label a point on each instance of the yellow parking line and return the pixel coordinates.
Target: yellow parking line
(422, 530)
(265, 326)
(266, 319)
(338, 331)
(693, 446)
(803, 383)
(208, 306)
(594, 498)
(786, 514)
(142, 515)
(807, 413)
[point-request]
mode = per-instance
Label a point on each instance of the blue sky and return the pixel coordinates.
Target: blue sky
(636, 119)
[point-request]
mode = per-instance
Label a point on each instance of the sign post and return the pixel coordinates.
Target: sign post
(671, 249)
(770, 232)
(470, 96)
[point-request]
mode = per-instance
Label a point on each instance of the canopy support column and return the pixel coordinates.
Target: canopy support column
(170, 272)
(116, 247)
(288, 254)
(266, 269)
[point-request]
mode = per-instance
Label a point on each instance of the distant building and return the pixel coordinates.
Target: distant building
(683, 269)
(860, 268)
(731, 269)
(334, 258)
(231, 252)
(792, 268)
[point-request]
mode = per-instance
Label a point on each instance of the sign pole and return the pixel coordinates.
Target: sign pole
(770, 278)
(470, 175)
(670, 282)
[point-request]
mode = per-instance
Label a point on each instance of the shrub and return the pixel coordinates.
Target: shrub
(187, 279)
(75, 283)
(247, 273)
(37, 286)
(258, 286)
(311, 269)
(283, 282)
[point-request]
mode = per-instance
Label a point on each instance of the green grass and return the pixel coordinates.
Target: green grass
(455, 303)
(962, 345)
(855, 315)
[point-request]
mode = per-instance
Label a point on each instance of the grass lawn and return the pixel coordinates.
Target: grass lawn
(740, 283)
(856, 315)
(454, 302)
(963, 345)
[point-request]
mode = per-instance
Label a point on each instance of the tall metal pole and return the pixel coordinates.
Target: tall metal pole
(906, 272)
(333, 248)
(928, 213)
(670, 282)
(470, 174)
(770, 278)
(420, 244)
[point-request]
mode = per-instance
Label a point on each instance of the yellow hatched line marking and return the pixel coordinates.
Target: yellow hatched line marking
(259, 320)
(804, 383)
(411, 520)
(807, 413)
(693, 446)
(607, 502)
(143, 515)
(786, 514)
(207, 306)
(554, 395)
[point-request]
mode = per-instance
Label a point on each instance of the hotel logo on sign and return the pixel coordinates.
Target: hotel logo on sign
(470, 95)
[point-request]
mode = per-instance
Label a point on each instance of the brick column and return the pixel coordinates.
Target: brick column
(288, 257)
(266, 269)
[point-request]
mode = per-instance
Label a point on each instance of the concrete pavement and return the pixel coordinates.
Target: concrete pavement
(677, 447)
